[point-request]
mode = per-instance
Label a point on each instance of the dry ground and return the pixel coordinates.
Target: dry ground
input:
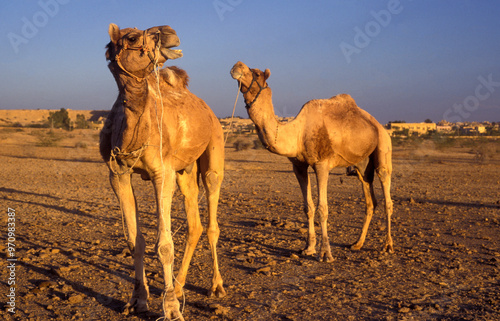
(72, 264)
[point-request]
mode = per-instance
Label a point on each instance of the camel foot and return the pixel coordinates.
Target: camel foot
(389, 248)
(356, 246)
(309, 251)
(135, 306)
(171, 307)
(217, 291)
(326, 257)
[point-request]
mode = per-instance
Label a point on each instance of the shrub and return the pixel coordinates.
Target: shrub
(47, 138)
(240, 145)
(81, 145)
(257, 144)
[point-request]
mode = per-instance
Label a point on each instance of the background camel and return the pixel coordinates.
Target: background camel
(160, 130)
(326, 133)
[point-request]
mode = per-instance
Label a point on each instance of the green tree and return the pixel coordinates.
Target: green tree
(428, 121)
(59, 119)
(81, 122)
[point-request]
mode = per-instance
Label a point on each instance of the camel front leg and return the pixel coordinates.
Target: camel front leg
(188, 184)
(300, 171)
(135, 240)
(322, 173)
(371, 203)
(212, 181)
(385, 178)
(164, 189)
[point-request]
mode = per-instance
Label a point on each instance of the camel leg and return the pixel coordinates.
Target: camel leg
(300, 171)
(188, 184)
(322, 173)
(123, 189)
(212, 169)
(385, 178)
(164, 188)
(371, 203)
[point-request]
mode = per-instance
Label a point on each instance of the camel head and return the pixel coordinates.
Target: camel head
(136, 51)
(252, 81)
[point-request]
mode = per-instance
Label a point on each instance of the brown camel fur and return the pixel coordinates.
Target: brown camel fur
(326, 133)
(160, 130)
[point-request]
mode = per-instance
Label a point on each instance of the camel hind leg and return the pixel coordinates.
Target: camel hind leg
(212, 174)
(187, 180)
(366, 173)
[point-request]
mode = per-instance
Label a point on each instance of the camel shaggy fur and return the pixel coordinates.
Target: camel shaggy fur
(160, 130)
(326, 133)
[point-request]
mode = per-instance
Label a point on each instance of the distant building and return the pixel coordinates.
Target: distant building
(444, 128)
(473, 130)
(411, 128)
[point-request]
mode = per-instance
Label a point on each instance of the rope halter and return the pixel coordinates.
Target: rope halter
(143, 49)
(249, 105)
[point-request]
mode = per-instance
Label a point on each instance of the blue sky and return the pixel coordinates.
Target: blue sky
(400, 60)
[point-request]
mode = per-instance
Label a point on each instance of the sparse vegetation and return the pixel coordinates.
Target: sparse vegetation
(240, 145)
(81, 145)
(47, 138)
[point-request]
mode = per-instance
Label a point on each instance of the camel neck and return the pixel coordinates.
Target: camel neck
(133, 93)
(277, 137)
(133, 97)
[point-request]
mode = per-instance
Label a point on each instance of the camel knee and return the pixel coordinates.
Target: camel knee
(388, 207)
(195, 231)
(323, 212)
(309, 210)
(212, 181)
(383, 173)
(165, 252)
(213, 233)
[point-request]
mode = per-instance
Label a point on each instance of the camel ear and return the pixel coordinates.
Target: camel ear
(114, 33)
(267, 73)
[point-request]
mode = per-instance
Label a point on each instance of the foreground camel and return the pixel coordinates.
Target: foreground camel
(326, 133)
(160, 130)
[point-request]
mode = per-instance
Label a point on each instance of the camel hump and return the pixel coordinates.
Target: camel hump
(345, 99)
(175, 76)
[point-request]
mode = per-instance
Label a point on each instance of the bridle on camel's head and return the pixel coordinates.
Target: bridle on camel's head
(142, 48)
(254, 79)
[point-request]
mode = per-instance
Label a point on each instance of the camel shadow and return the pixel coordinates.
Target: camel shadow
(70, 160)
(63, 209)
(448, 203)
(107, 301)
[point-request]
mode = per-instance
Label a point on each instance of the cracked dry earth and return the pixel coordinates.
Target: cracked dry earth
(73, 265)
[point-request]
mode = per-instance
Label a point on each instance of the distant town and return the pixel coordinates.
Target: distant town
(94, 119)
(396, 128)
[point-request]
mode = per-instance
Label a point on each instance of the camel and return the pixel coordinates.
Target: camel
(326, 133)
(157, 128)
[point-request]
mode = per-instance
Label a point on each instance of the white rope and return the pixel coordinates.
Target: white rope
(232, 115)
